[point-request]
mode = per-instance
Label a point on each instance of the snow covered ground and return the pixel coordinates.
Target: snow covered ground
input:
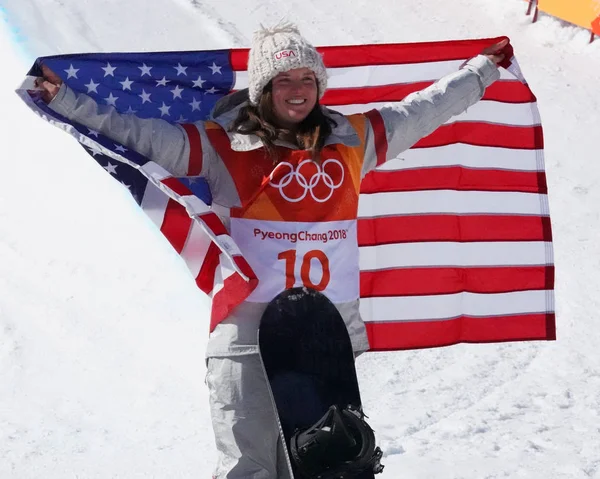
(102, 337)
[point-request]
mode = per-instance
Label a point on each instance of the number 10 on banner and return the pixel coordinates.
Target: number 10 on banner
(289, 257)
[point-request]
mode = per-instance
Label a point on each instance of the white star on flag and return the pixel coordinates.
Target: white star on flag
(145, 96)
(164, 110)
(212, 90)
(120, 148)
(109, 70)
(92, 87)
(181, 119)
(125, 185)
(130, 111)
(95, 150)
(126, 84)
(195, 104)
(72, 72)
(92, 133)
(112, 100)
(181, 70)
(162, 82)
(177, 92)
(215, 69)
(199, 81)
(145, 70)
(112, 169)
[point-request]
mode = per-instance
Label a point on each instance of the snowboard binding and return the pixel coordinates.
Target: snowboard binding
(341, 445)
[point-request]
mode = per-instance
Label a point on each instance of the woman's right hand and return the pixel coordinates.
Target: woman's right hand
(49, 82)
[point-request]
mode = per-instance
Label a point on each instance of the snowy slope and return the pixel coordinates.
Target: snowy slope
(102, 332)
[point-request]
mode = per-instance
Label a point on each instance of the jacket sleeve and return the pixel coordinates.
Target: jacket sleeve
(394, 129)
(158, 140)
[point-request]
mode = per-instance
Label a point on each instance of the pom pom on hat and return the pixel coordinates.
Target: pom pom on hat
(279, 49)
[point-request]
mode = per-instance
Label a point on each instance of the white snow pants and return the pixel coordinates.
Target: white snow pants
(244, 422)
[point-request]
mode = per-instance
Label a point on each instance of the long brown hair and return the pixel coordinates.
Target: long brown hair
(260, 120)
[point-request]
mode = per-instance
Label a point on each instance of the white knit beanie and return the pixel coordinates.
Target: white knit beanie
(279, 49)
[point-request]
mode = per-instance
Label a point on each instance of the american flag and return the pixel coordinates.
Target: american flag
(454, 235)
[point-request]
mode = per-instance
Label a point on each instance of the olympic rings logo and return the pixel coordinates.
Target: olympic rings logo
(320, 177)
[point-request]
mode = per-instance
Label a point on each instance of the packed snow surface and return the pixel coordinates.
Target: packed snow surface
(102, 330)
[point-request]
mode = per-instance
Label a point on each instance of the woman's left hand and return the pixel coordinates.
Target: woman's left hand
(496, 51)
(49, 82)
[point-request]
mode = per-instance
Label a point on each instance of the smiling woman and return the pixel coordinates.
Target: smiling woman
(287, 79)
(261, 155)
(287, 110)
(294, 96)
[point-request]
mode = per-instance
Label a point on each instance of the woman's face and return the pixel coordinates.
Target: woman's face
(294, 96)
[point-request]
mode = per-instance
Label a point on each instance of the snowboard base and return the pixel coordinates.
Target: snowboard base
(308, 359)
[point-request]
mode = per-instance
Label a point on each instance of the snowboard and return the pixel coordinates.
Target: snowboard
(308, 359)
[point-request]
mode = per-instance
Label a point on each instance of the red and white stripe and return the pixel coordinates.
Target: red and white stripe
(199, 236)
(454, 235)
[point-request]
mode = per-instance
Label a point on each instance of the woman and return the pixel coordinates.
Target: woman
(285, 174)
